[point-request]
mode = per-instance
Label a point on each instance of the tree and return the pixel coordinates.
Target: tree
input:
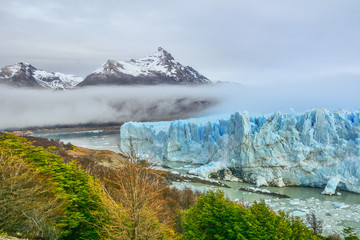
(135, 192)
(178, 201)
(315, 224)
(350, 234)
(27, 202)
(215, 217)
(37, 176)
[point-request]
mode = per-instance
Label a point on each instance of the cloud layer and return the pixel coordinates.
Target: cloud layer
(233, 40)
(29, 108)
(21, 108)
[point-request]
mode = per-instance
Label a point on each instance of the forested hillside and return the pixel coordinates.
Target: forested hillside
(46, 193)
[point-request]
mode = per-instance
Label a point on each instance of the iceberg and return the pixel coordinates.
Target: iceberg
(310, 149)
(331, 185)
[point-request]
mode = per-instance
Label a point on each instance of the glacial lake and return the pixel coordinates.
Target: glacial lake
(335, 211)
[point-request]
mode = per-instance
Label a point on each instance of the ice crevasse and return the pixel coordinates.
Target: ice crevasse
(319, 148)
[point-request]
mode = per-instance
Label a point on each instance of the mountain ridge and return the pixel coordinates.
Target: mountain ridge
(23, 74)
(158, 68)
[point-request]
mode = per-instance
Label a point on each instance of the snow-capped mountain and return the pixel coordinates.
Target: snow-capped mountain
(158, 68)
(25, 75)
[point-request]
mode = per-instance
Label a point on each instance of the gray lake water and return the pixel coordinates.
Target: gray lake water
(93, 139)
(335, 211)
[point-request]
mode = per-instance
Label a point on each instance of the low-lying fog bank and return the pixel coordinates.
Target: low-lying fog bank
(22, 108)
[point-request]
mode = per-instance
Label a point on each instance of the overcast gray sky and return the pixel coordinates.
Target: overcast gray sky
(252, 42)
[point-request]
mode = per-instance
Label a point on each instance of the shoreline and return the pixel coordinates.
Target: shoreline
(63, 129)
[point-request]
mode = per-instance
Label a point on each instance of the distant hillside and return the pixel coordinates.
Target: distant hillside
(51, 190)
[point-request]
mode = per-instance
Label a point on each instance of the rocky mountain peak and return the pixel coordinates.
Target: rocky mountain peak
(109, 67)
(157, 68)
(27, 67)
(110, 64)
(23, 74)
(166, 55)
(25, 64)
(16, 69)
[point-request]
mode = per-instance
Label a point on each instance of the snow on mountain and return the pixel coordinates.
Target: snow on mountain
(25, 75)
(311, 149)
(158, 68)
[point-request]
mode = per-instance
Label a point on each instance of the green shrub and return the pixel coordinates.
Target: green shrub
(215, 217)
(350, 234)
(83, 211)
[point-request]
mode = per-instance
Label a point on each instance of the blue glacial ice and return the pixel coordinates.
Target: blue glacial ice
(318, 148)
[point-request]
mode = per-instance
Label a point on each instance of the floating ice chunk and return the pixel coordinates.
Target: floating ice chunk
(298, 213)
(205, 170)
(332, 185)
(294, 202)
(258, 190)
(279, 182)
(261, 181)
(339, 205)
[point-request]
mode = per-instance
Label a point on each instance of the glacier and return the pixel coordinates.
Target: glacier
(318, 148)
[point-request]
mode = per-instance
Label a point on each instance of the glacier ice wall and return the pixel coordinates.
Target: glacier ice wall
(296, 150)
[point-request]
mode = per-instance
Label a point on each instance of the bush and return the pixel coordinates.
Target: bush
(350, 234)
(27, 204)
(82, 208)
(215, 217)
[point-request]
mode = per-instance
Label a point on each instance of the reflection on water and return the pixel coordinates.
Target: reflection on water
(335, 211)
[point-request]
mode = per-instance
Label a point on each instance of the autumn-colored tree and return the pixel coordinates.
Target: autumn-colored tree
(27, 204)
(136, 192)
(177, 202)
